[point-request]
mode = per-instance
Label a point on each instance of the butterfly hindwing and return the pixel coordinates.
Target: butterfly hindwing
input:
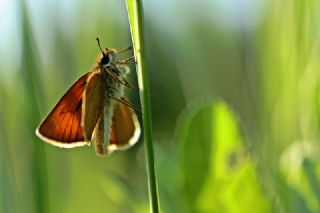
(125, 129)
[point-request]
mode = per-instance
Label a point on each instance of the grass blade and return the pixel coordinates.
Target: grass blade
(135, 12)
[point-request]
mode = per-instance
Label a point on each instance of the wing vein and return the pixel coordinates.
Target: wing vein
(59, 121)
(63, 138)
(71, 127)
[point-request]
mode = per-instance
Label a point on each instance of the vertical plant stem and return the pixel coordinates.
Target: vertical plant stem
(31, 83)
(135, 12)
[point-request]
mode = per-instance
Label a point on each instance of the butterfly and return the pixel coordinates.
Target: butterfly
(95, 109)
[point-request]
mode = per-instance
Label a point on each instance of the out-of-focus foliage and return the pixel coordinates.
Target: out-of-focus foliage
(231, 172)
(235, 102)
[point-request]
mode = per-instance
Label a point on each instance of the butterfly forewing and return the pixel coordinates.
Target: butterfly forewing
(62, 127)
(93, 103)
(99, 137)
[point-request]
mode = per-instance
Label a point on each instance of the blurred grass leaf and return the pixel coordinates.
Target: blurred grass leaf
(119, 192)
(30, 76)
(290, 199)
(310, 168)
(215, 162)
(196, 136)
(6, 186)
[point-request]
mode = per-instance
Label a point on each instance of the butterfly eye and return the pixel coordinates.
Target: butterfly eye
(105, 59)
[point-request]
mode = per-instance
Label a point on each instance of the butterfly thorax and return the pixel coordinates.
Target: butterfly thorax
(113, 74)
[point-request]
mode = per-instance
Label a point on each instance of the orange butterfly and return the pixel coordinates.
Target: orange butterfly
(94, 108)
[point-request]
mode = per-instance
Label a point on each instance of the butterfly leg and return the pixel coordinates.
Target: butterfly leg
(126, 102)
(126, 83)
(127, 61)
(120, 80)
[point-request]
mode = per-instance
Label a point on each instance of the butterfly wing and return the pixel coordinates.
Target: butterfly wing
(62, 127)
(93, 103)
(99, 137)
(125, 129)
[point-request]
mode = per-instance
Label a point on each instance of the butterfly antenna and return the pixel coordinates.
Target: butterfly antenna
(125, 49)
(98, 40)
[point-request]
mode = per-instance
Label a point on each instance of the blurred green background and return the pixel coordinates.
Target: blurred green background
(235, 100)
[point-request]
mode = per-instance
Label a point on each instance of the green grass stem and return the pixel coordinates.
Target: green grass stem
(135, 12)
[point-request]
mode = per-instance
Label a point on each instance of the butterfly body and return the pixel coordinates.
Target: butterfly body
(113, 90)
(90, 110)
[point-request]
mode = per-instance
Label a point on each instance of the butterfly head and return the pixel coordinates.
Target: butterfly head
(107, 57)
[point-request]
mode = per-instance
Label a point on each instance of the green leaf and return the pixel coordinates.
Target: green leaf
(218, 172)
(196, 137)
